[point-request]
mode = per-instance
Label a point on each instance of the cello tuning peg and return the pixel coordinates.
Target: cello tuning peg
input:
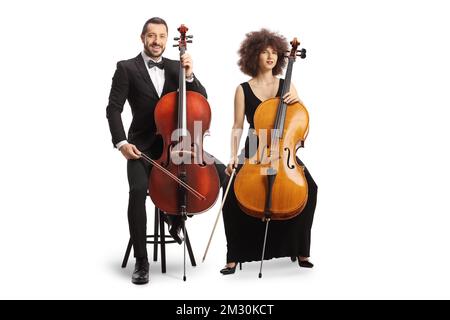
(189, 41)
(190, 36)
(176, 38)
(302, 53)
(176, 45)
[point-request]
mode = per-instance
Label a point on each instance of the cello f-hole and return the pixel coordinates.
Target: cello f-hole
(288, 160)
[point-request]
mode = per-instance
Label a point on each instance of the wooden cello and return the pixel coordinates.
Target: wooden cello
(187, 182)
(271, 184)
(177, 115)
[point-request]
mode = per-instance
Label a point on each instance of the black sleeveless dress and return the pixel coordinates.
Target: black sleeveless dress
(245, 234)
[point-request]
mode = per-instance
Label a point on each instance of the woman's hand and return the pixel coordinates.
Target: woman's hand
(291, 97)
(233, 164)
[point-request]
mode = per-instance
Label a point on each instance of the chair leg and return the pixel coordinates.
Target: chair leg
(161, 239)
(191, 254)
(163, 242)
(127, 254)
(155, 235)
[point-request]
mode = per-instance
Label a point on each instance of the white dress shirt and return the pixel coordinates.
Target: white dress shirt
(156, 74)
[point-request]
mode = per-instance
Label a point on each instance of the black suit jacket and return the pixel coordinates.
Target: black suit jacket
(131, 81)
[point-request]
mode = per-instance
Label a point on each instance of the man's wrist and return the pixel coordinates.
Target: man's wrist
(121, 144)
(190, 78)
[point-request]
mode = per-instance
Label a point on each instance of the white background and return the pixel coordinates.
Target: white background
(375, 82)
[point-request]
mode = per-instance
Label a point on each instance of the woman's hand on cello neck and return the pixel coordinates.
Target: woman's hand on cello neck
(292, 96)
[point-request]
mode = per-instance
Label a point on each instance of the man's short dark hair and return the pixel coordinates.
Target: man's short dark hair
(154, 20)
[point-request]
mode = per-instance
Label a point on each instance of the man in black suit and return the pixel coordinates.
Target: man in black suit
(143, 80)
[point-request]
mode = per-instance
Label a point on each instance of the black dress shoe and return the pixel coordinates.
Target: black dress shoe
(305, 264)
(228, 270)
(141, 270)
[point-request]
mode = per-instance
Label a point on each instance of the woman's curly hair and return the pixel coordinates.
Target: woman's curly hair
(256, 42)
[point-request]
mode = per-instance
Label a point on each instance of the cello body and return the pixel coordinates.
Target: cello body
(290, 189)
(200, 171)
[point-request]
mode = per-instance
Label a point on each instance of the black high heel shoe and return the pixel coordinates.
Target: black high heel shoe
(304, 264)
(228, 270)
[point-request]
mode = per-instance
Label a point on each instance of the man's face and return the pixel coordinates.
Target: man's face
(154, 40)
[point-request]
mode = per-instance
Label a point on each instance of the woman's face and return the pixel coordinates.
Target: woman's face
(267, 59)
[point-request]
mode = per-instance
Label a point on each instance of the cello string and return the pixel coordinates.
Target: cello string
(171, 175)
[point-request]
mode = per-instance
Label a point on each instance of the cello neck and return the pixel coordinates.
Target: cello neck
(281, 112)
(182, 121)
(288, 77)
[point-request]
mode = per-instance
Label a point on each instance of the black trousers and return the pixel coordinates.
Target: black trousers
(138, 176)
(138, 173)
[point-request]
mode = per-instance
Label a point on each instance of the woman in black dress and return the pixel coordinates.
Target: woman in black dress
(261, 57)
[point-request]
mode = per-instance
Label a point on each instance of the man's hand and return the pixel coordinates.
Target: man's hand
(130, 151)
(186, 62)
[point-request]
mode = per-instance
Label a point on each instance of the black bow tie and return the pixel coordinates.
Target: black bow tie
(152, 64)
